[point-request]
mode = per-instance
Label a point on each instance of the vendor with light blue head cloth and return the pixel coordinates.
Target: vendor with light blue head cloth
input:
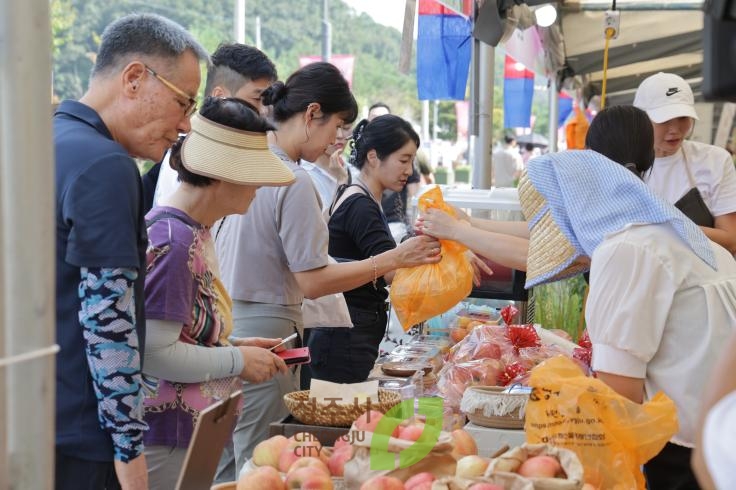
(661, 302)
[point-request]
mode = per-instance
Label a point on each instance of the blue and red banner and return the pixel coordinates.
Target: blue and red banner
(443, 52)
(518, 92)
(564, 108)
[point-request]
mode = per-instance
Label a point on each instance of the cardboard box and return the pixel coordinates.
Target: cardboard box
(290, 426)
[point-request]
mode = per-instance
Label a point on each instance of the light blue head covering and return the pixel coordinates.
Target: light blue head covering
(590, 196)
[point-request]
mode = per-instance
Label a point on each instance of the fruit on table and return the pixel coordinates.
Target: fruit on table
(368, 421)
(464, 444)
(383, 483)
(541, 467)
(471, 466)
(485, 486)
(301, 444)
(308, 478)
(340, 456)
(308, 462)
(411, 432)
(260, 478)
(420, 481)
(267, 452)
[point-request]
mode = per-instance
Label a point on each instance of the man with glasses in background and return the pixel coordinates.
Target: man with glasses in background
(141, 93)
(236, 70)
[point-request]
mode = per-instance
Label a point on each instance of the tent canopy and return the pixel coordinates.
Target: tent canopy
(654, 36)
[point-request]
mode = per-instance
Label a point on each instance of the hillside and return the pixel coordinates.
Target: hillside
(289, 29)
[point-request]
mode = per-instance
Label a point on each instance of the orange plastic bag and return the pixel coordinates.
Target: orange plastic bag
(422, 292)
(611, 435)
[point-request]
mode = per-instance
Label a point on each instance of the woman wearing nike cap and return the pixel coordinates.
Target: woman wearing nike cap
(696, 177)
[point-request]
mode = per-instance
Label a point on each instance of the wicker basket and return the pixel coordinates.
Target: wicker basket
(332, 414)
(488, 406)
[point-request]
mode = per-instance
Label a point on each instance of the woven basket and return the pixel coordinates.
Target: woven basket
(332, 414)
(488, 406)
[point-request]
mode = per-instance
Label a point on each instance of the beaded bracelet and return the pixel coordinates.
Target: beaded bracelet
(375, 272)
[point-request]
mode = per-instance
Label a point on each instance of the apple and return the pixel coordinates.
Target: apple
(308, 478)
(471, 466)
(485, 486)
(540, 467)
(267, 452)
(337, 461)
(420, 481)
(463, 444)
(260, 478)
(383, 483)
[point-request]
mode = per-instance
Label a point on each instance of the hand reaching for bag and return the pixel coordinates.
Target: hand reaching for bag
(418, 250)
(439, 224)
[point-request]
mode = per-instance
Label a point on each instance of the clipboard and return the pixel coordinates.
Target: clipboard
(213, 430)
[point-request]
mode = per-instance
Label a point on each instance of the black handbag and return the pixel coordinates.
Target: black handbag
(693, 206)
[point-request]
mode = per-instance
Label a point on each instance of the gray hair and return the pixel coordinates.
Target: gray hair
(144, 34)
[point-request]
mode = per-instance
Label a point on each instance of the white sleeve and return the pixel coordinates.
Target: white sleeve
(724, 189)
(167, 357)
(167, 183)
(719, 432)
(630, 295)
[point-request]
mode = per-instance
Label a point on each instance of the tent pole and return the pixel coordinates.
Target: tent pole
(27, 245)
(554, 110)
(482, 162)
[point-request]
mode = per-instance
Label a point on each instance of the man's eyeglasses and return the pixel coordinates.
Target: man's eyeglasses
(191, 107)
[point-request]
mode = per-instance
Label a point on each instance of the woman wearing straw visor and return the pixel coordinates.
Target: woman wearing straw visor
(662, 300)
(189, 362)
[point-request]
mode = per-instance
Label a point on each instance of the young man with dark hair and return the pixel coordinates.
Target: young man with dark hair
(237, 70)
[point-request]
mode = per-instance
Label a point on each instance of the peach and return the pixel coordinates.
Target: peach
(308, 462)
(471, 466)
(485, 486)
(267, 452)
(368, 421)
(420, 481)
(383, 483)
(337, 461)
(458, 334)
(342, 441)
(411, 432)
(464, 444)
(302, 444)
(488, 350)
(308, 478)
(260, 478)
(540, 467)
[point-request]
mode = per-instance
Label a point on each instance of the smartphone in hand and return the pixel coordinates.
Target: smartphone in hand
(295, 356)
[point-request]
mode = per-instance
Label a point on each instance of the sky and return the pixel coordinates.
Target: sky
(386, 12)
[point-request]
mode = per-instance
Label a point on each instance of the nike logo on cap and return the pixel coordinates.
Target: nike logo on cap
(672, 91)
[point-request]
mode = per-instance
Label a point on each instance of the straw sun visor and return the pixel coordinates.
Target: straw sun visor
(232, 155)
(551, 256)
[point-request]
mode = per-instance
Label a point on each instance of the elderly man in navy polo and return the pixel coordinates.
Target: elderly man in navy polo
(141, 94)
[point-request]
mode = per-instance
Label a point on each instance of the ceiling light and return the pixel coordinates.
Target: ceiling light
(545, 15)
